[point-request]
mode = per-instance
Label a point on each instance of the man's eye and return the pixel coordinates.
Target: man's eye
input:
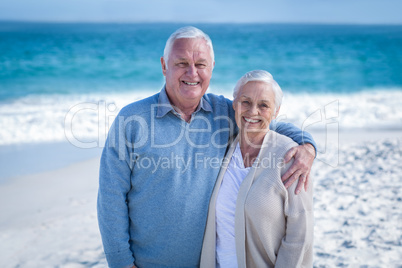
(245, 102)
(201, 65)
(182, 64)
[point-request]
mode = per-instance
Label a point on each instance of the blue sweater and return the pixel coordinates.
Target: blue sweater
(156, 177)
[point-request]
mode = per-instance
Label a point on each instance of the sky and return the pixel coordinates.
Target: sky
(220, 11)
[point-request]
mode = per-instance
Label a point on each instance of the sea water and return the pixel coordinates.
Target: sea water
(66, 81)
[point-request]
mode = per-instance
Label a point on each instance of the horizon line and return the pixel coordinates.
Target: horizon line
(198, 22)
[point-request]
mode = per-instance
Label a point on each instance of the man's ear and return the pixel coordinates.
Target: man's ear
(163, 63)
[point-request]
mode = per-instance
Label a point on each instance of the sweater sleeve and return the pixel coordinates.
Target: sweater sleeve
(114, 185)
(296, 248)
(293, 132)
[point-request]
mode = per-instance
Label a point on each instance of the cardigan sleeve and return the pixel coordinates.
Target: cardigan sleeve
(296, 248)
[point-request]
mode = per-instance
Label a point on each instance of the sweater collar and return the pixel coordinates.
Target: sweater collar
(164, 105)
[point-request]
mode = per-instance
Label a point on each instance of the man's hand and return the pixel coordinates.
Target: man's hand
(301, 167)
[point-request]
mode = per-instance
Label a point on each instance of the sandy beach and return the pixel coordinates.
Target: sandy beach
(48, 219)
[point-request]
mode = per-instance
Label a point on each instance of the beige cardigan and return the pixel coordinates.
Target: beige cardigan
(273, 226)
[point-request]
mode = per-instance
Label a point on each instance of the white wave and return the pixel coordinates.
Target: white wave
(369, 109)
(86, 118)
(50, 118)
(366, 109)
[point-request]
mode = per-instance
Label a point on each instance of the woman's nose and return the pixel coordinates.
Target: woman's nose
(253, 109)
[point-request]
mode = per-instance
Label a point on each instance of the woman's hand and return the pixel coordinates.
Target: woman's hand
(301, 167)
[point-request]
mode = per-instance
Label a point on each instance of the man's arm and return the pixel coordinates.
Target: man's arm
(114, 185)
(304, 154)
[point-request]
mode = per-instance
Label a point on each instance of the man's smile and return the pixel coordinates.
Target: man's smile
(191, 83)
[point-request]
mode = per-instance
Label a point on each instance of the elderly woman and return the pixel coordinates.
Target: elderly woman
(253, 220)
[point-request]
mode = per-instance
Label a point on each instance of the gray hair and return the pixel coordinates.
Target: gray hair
(186, 32)
(260, 76)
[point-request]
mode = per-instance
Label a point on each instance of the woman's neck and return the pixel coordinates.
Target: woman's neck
(250, 146)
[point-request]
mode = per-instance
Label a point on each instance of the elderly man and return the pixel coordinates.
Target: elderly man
(162, 158)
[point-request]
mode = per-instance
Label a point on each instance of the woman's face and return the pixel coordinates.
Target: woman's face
(254, 108)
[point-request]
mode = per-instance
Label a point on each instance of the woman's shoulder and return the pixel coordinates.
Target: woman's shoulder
(279, 143)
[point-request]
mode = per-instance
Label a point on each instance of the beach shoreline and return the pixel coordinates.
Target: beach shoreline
(49, 217)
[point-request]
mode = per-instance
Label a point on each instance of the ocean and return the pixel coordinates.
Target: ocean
(61, 86)
(60, 80)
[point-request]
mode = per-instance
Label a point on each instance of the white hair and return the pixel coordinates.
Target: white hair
(186, 32)
(260, 76)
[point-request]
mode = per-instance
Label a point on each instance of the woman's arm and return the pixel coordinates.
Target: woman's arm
(296, 248)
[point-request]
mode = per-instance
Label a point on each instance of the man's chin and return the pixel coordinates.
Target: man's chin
(192, 93)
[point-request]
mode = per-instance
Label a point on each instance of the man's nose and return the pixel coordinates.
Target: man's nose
(191, 70)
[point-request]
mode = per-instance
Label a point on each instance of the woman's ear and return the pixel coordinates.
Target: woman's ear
(277, 112)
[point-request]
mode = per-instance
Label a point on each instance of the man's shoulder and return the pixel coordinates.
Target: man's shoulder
(140, 106)
(281, 142)
(217, 100)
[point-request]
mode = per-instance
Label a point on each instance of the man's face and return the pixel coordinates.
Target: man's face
(189, 71)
